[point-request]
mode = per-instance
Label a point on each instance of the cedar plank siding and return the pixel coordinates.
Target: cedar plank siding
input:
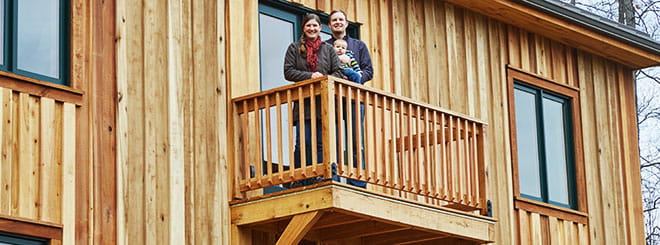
(156, 81)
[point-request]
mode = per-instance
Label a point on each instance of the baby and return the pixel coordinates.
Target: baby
(352, 68)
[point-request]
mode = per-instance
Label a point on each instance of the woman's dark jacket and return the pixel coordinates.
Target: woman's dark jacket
(295, 70)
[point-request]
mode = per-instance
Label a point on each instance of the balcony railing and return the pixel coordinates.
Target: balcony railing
(409, 149)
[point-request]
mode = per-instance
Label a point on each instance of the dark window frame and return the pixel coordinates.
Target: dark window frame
(540, 95)
(6, 237)
(578, 212)
(30, 229)
(10, 30)
(353, 29)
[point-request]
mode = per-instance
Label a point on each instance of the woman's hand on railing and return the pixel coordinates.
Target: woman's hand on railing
(316, 75)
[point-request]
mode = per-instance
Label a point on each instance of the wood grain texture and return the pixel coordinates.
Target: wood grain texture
(177, 70)
(171, 156)
(37, 137)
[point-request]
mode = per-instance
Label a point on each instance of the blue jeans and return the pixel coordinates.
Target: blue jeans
(353, 75)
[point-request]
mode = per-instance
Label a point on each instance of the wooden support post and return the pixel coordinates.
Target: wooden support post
(240, 236)
(298, 227)
(328, 121)
(482, 169)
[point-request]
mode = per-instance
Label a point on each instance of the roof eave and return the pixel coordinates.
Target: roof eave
(567, 31)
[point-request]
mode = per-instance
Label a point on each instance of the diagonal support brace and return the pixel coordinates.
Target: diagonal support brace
(298, 227)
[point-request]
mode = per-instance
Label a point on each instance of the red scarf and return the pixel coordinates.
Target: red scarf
(313, 59)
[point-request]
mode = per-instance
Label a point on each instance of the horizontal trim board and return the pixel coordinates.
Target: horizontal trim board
(29, 227)
(39, 88)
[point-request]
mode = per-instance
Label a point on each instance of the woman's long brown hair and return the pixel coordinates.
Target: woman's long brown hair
(307, 18)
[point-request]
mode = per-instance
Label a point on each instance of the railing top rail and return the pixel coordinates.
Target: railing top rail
(362, 87)
(279, 89)
(407, 100)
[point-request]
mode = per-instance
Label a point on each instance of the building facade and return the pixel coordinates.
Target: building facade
(159, 125)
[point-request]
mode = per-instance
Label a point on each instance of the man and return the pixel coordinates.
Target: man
(338, 24)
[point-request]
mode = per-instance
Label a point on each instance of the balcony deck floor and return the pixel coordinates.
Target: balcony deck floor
(348, 212)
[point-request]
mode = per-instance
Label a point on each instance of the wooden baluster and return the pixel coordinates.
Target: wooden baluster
(473, 164)
(379, 141)
(481, 172)
(428, 165)
(368, 136)
(349, 132)
(357, 144)
(443, 157)
(435, 162)
(280, 162)
(409, 143)
(340, 128)
(466, 148)
(235, 170)
(246, 145)
(391, 157)
(400, 158)
(417, 167)
(420, 163)
(460, 162)
(312, 117)
(257, 129)
(387, 137)
(301, 132)
(269, 148)
(450, 162)
(289, 108)
(405, 149)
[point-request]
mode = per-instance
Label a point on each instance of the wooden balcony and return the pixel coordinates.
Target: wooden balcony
(424, 167)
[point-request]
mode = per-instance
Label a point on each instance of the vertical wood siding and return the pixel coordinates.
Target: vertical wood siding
(447, 56)
(541, 229)
(610, 150)
(177, 62)
(171, 123)
(37, 135)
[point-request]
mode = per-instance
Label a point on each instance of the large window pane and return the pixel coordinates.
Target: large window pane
(555, 148)
(275, 35)
(38, 44)
(528, 155)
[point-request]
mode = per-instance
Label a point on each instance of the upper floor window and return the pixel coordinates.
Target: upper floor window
(545, 142)
(543, 133)
(34, 39)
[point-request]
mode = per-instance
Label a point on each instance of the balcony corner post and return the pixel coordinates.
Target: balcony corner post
(328, 121)
(235, 154)
(483, 170)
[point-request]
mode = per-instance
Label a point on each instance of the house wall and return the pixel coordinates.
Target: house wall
(57, 163)
(171, 166)
(37, 167)
(179, 62)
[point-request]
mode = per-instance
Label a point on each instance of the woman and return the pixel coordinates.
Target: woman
(306, 59)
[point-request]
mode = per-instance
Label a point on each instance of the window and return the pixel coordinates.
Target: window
(34, 39)
(280, 25)
(545, 149)
(13, 239)
(545, 165)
